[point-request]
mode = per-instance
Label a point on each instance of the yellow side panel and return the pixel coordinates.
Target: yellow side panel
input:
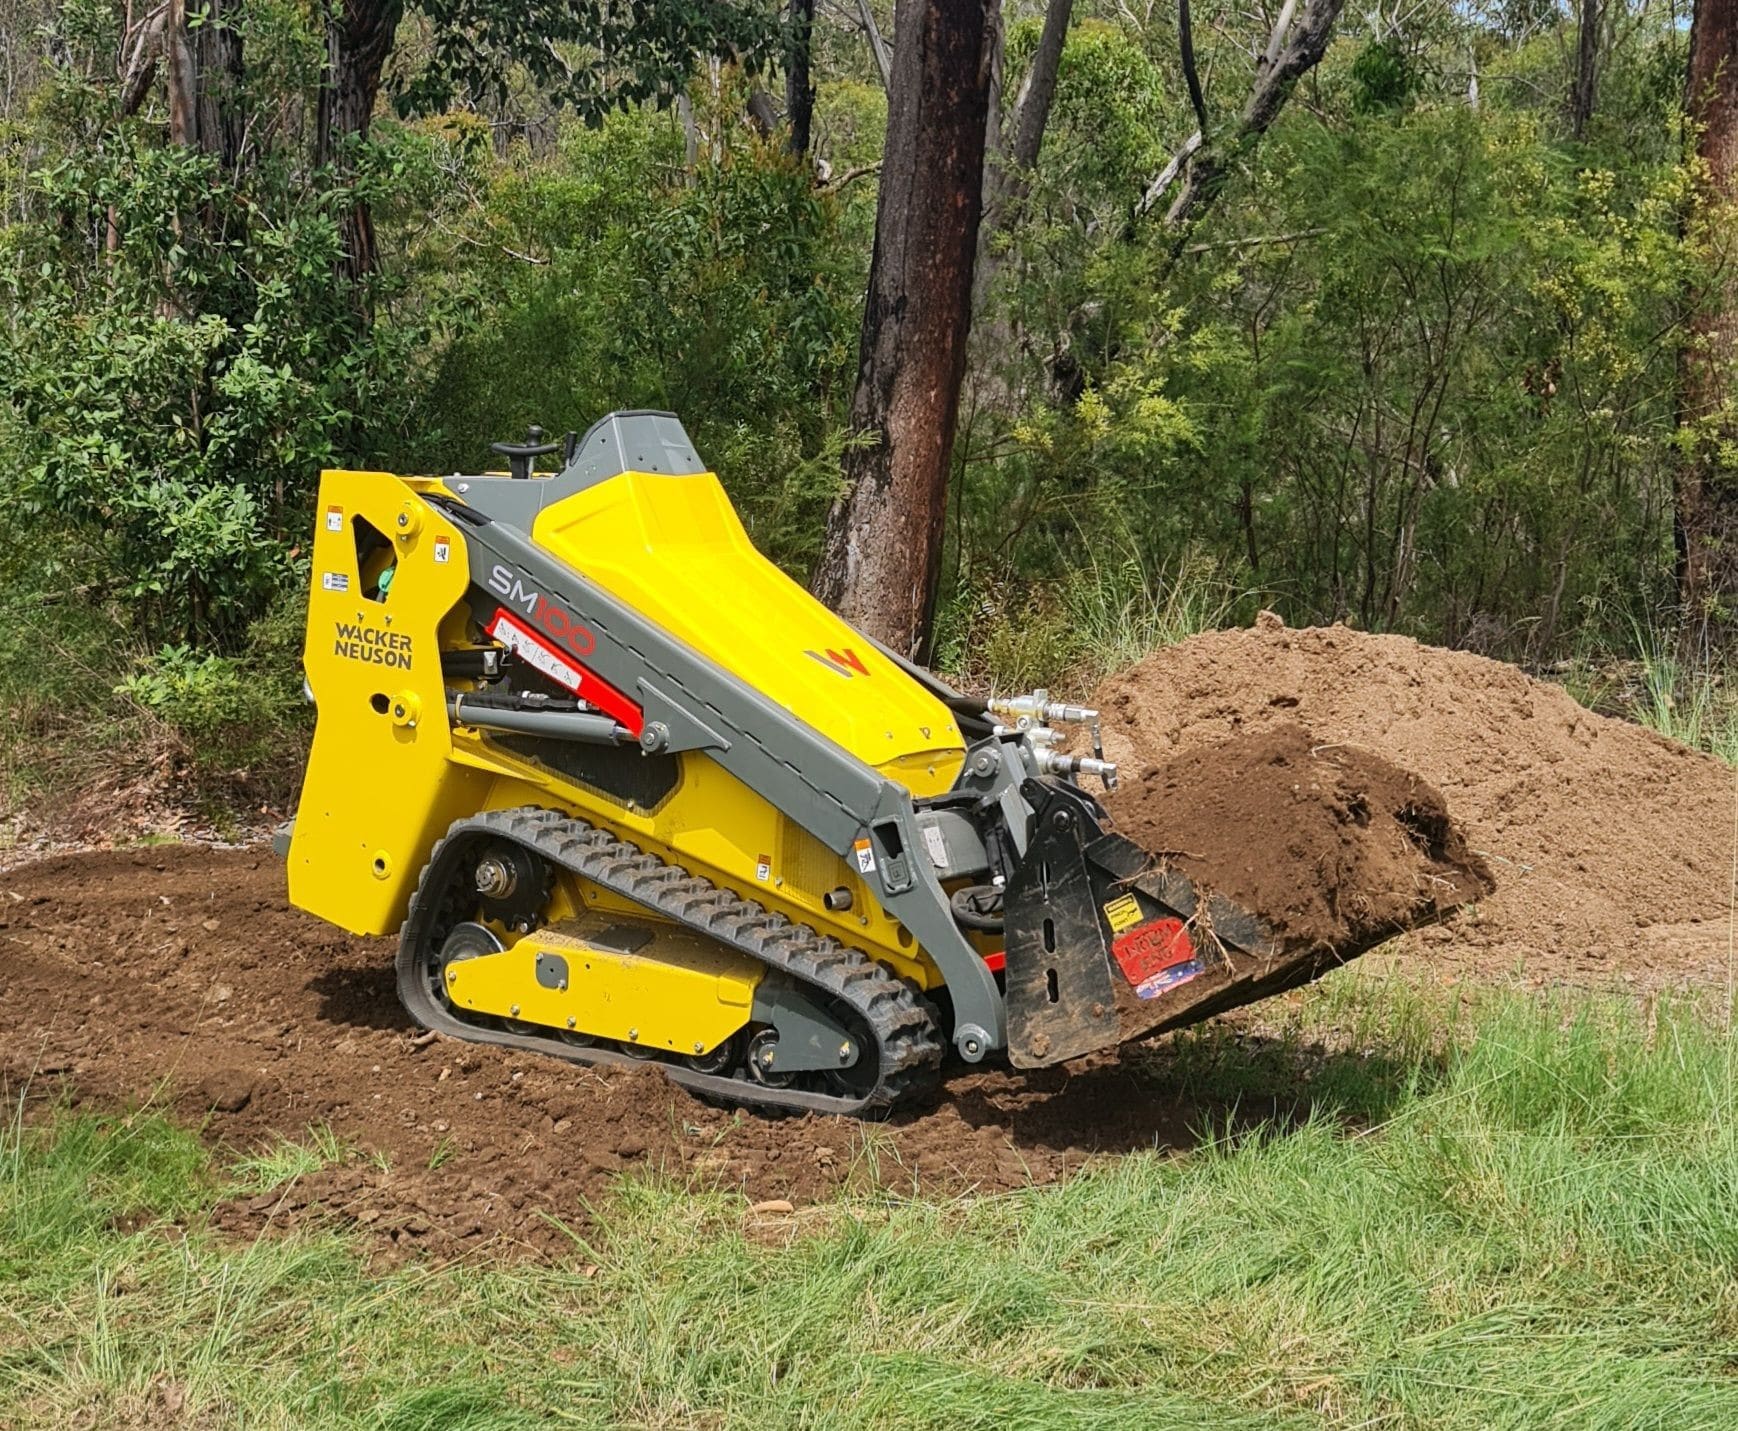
(679, 994)
(674, 549)
(380, 789)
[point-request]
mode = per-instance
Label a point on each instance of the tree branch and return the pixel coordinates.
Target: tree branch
(1186, 45)
(1255, 240)
(142, 62)
(1167, 176)
(877, 45)
(833, 186)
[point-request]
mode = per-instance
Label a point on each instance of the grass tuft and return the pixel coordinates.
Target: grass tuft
(286, 1160)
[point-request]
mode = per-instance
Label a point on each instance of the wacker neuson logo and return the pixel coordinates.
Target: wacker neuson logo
(372, 646)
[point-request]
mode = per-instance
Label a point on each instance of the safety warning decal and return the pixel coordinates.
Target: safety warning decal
(763, 868)
(334, 519)
(1123, 912)
(335, 581)
(865, 856)
(1156, 956)
(937, 843)
(590, 687)
(539, 655)
(443, 550)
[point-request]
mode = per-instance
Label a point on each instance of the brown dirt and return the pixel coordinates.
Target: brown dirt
(1611, 847)
(1328, 843)
(180, 974)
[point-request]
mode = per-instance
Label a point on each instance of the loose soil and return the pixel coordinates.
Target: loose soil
(1611, 847)
(1329, 844)
(180, 974)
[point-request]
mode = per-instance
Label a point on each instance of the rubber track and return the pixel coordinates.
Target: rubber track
(907, 1042)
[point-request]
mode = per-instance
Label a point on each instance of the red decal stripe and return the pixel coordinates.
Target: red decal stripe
(592, 687)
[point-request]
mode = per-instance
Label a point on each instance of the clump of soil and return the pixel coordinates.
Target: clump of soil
(1611, 846)
(1326, 843)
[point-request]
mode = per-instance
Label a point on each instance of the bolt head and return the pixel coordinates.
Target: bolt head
(633, 1035)
(515, 1011)
(571, 1021)
(699, 1047)
(844, 1052)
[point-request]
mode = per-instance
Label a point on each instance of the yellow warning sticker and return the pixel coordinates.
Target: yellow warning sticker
(1123, 913)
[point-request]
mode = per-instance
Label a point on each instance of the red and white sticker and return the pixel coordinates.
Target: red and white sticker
(534, 653)
(1156, 956)
(334, 519)
(590, 687)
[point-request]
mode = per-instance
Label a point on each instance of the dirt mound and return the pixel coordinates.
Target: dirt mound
(1328, 843)
(181, 974)
(1610, 846)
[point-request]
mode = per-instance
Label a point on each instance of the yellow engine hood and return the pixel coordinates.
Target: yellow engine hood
(673, 548)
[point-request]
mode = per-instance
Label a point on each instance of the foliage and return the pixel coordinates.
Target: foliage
(723, 295)
(477, 48)
(180, 360)
(1418, 371)
(1472, 1209)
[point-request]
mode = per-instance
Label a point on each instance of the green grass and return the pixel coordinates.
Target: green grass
(1684, 701)
(286, 1160)
(1499, 1213)
(1686, 697)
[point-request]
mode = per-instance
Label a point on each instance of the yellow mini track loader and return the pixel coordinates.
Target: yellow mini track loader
(626, 791)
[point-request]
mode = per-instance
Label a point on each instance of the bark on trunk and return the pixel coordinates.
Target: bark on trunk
(1583, 92)
(202, 70)
(359, 35)
(880, 561)
(181, 80)
(799, 83)
(1707, 486)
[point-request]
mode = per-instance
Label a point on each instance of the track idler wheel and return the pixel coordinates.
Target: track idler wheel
(512, 885)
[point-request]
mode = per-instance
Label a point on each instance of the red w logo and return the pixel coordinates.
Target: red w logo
(846, 663)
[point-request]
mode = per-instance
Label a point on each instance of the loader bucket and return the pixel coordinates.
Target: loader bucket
(1104, 944)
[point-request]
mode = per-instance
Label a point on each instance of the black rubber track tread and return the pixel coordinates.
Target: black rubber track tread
(908, 1042)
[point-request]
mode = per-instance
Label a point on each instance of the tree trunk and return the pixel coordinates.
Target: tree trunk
(202, 72)
(1584, 90)
(799, 82)
(218, 61)
(882, 553)
(180, 79)
(1707, 486)
(1038, 89)
(359, 35)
